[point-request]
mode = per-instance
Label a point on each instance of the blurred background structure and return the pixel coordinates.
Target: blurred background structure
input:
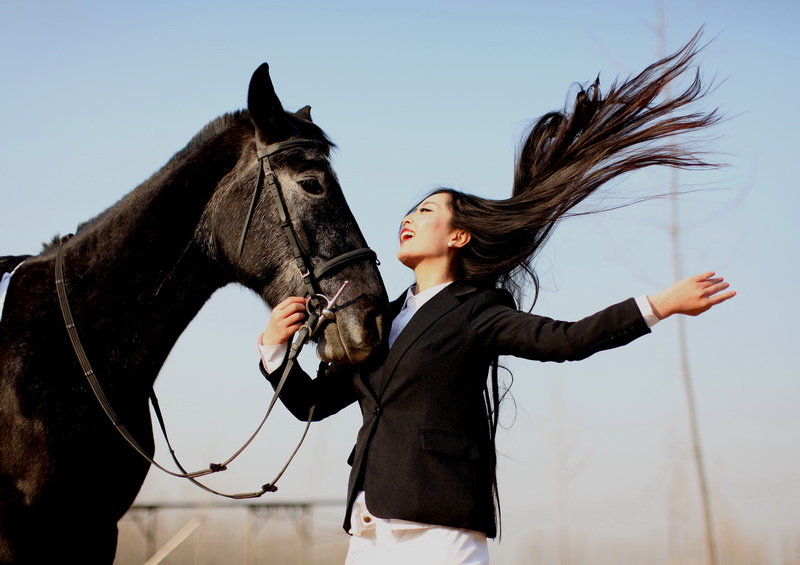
(596, 465)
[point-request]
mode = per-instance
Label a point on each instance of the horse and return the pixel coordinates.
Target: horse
(135, 276)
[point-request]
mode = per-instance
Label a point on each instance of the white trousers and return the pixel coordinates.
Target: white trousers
(376, 541)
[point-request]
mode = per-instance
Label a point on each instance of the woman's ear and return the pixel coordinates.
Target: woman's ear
(459, 238)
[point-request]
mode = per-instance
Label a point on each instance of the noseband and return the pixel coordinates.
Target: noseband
(318, 316)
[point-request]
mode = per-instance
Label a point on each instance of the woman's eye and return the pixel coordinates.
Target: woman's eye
(424, 209)
(311, 186)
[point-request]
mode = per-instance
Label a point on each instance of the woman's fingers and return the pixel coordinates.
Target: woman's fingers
(692, 295)
(293, 303)
(715, 288)
(286, 319)
(290, 307)
(718, 298)
(711, 293)
(711, 281)
(702, 276)
(295, 318)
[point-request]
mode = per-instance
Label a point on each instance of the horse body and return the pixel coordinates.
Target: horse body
(136, 276)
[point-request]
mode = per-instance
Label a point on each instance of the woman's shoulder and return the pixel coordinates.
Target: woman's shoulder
(483, 295)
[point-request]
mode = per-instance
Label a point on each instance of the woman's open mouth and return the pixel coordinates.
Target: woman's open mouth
(406, 234)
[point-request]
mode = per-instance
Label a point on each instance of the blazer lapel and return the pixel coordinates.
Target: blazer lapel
(369, 381)
(447, 299)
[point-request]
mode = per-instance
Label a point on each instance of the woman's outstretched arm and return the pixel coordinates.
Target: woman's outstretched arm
(517, 333)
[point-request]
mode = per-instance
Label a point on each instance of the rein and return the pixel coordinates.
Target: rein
(318, 316)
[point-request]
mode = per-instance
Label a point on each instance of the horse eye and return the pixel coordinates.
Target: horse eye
(311, 186)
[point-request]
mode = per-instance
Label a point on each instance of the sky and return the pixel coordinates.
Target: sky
(97, 96)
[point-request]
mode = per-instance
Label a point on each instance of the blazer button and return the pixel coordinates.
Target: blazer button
(377, 411)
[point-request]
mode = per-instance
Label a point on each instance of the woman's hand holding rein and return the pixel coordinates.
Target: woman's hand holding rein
(287, 317)
(691, 296)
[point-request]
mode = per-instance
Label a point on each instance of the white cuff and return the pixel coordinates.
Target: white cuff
(272, 355)
(646, 308)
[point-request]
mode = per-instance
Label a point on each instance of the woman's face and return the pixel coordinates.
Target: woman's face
(426, 231)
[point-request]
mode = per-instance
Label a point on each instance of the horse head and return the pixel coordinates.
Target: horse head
(245, 223)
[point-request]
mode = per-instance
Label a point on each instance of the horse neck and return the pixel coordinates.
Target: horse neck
(136, 274)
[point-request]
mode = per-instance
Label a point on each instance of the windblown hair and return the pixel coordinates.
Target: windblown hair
(567, 156)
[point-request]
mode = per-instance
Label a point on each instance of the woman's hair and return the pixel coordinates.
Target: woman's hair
(567, 156)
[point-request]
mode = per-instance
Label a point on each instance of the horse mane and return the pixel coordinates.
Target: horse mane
(215, 127)
(211, 130)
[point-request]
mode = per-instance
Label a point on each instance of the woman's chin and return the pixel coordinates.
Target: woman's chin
(407, 259)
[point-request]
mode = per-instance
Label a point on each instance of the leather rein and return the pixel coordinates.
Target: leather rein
(320, 310)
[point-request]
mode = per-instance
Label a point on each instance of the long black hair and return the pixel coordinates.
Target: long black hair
(567, 155)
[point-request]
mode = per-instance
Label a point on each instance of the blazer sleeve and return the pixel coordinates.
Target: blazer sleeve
(328, 393)
(512, 332)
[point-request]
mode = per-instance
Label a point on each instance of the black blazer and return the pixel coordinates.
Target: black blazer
(423, 451)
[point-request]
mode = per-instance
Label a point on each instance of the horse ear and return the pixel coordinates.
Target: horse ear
(304, 113)
(266, 110)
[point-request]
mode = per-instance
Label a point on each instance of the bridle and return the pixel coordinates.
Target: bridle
(308, 273)
(318, 316)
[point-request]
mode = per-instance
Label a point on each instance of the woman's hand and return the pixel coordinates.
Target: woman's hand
(691, 296)
(286, 319)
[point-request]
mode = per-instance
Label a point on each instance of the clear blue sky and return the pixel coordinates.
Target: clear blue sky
(96, 96)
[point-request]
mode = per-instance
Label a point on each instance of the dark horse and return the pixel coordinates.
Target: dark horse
(136, 276)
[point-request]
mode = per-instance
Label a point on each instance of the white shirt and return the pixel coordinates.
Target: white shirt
(412, 303)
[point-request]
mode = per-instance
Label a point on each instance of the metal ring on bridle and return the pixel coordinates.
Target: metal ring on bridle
(315, 308)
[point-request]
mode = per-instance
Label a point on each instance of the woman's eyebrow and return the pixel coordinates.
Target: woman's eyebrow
(429, 203)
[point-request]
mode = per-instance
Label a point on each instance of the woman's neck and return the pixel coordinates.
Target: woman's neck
(429, 275)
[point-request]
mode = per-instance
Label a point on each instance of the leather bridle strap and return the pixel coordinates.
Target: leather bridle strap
(86, 366)
(341, 261)
(102, 399)
(312, 325)
(265, 170)
(309, 275)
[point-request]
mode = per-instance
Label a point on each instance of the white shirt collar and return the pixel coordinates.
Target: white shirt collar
(417, 300)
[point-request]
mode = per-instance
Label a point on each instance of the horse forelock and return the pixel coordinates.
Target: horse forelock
(310, 130)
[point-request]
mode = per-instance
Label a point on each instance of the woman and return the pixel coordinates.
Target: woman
(422, 485)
